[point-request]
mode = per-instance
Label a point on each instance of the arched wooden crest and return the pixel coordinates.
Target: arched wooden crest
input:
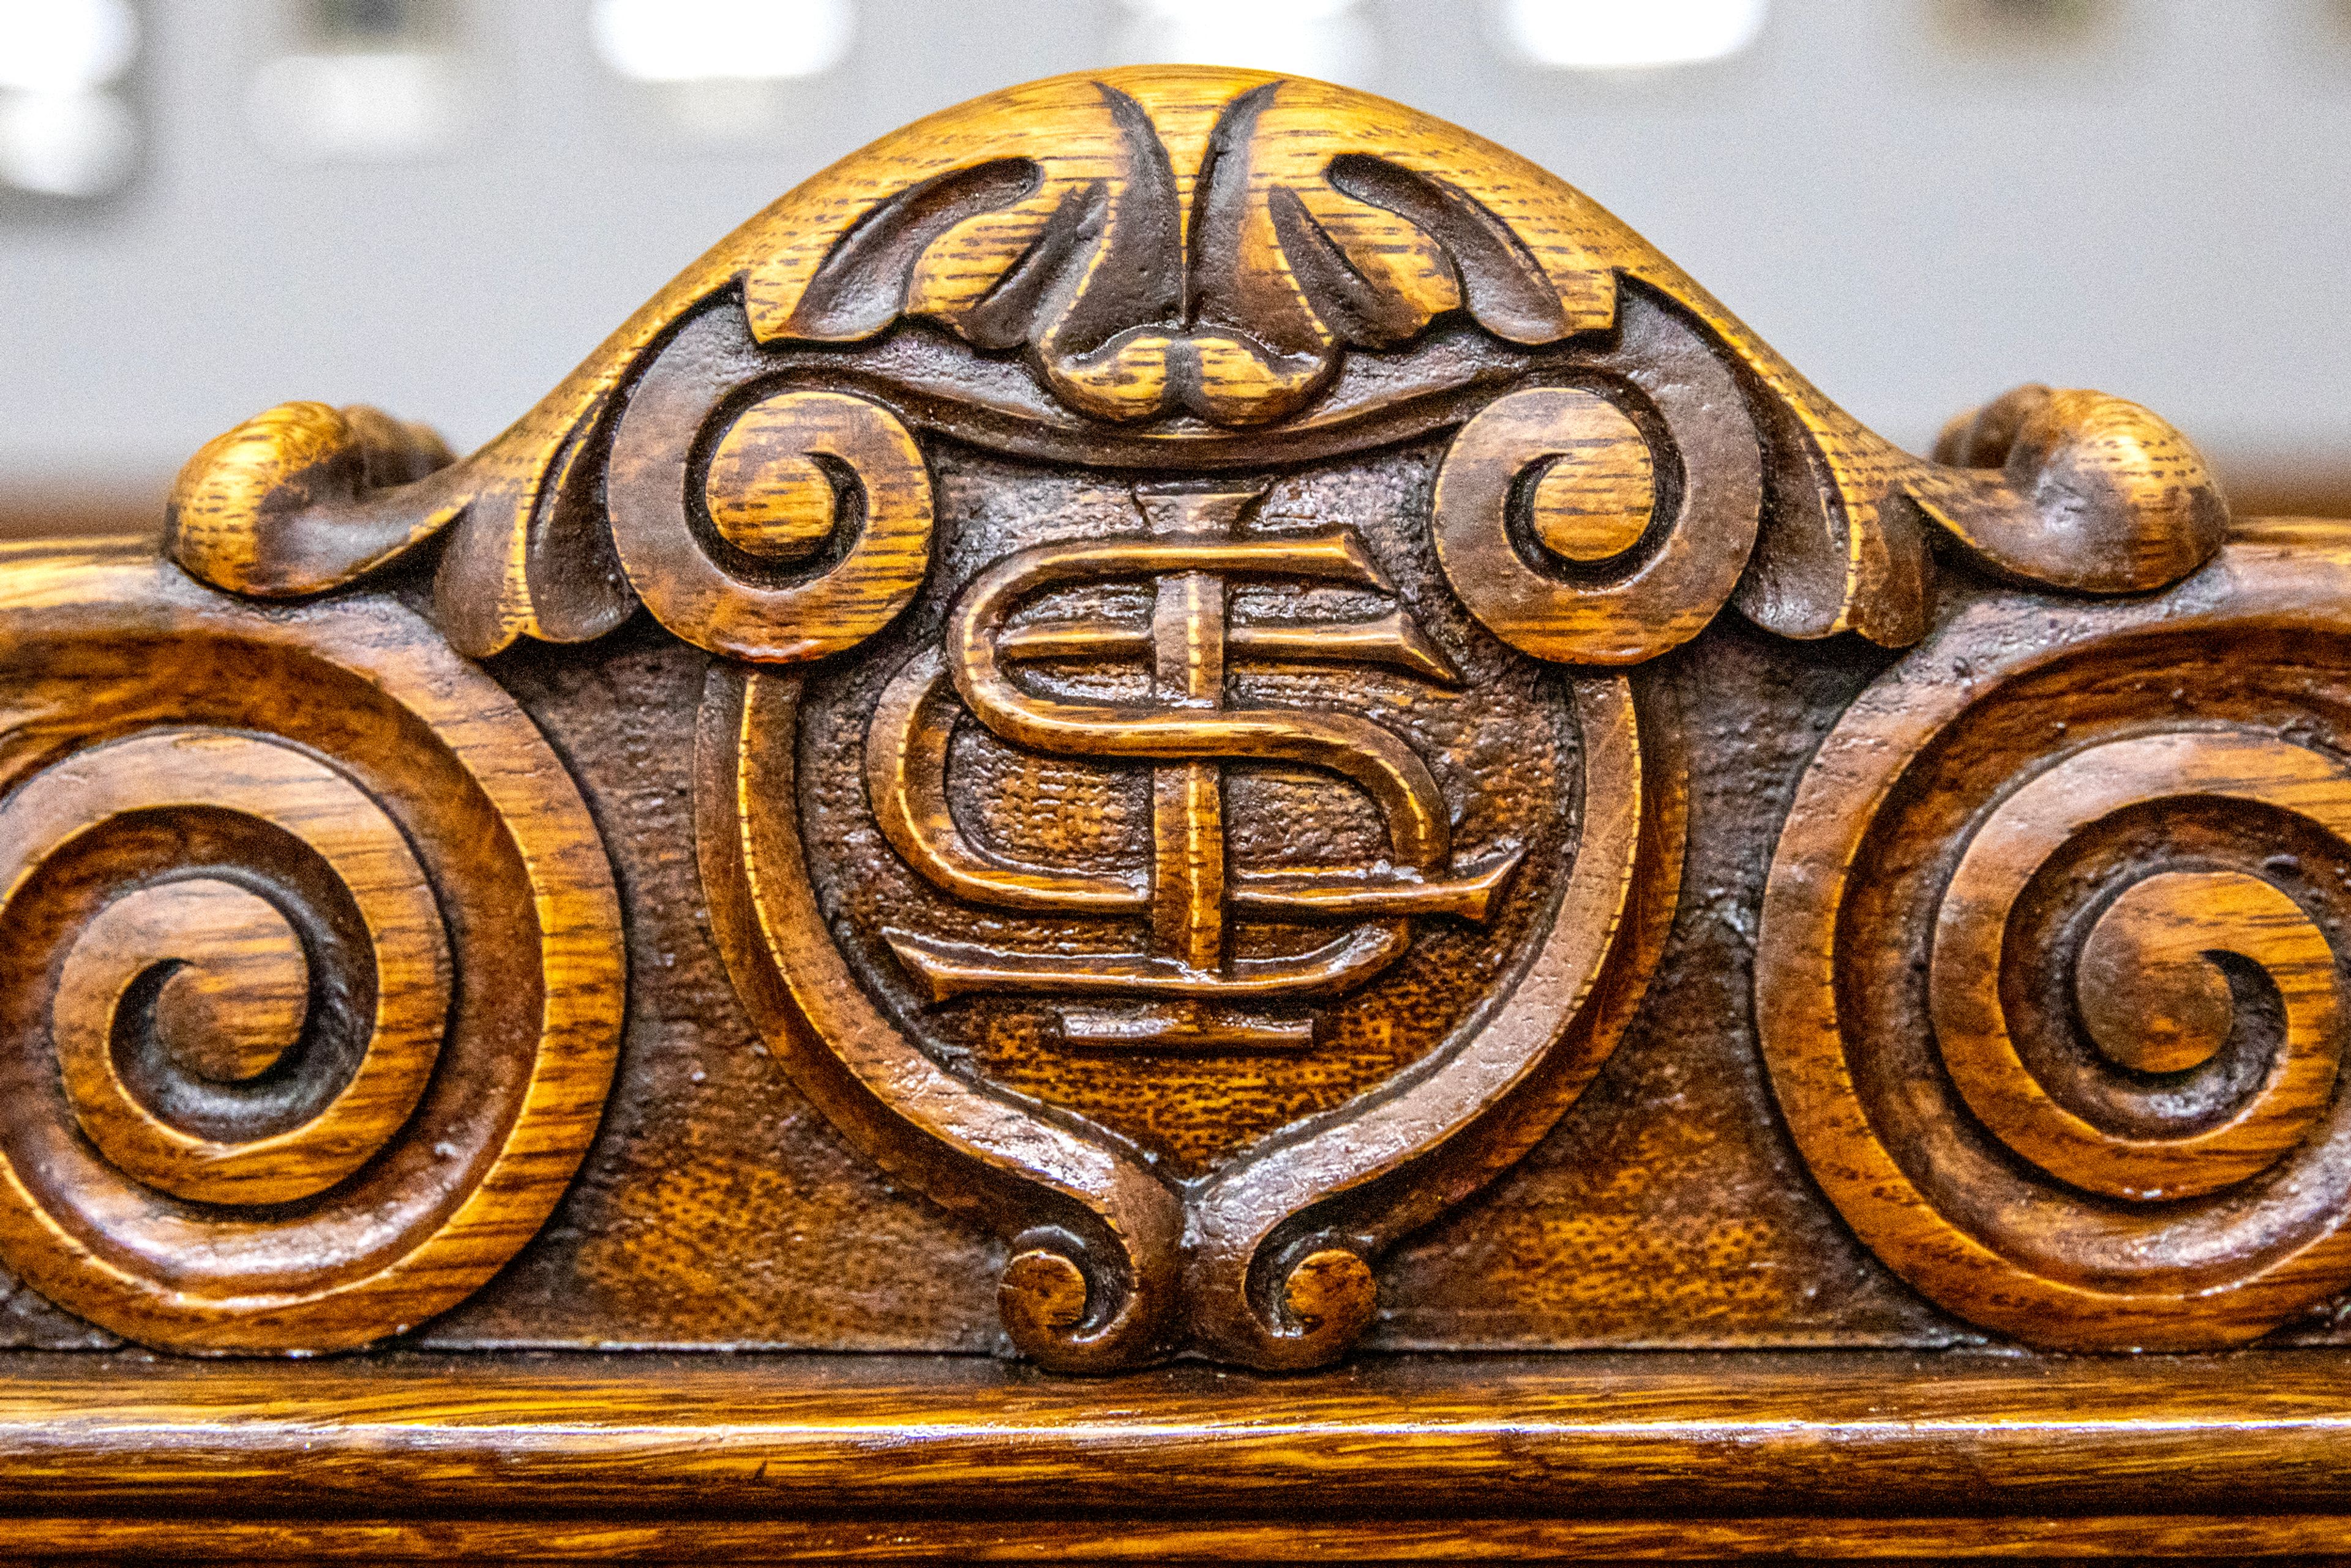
(1183, 554)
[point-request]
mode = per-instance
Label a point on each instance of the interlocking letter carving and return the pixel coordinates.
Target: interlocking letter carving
(1190, 993)
(1155, 797)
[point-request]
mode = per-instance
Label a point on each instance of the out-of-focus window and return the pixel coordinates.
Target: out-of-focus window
(367, 80)
(1610, 35)
(1327, 38)
(711, 40)
(67, 130)
(719, 70)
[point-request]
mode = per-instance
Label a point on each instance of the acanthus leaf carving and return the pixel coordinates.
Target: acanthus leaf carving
(1147, 267)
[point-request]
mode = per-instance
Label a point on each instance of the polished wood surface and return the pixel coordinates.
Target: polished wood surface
(1649, 1456)
(352, 842)
(1172, 771)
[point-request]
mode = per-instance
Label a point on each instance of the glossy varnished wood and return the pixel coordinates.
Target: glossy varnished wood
(1653, 1455)
(1238, 753)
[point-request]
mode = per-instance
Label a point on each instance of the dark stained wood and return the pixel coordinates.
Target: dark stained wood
(1308, 290)
(775, 938)
(1239, 751)
(694, 586)
(2257, 487)
(2093, 494)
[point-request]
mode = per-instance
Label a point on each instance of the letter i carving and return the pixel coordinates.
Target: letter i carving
(1187, 806)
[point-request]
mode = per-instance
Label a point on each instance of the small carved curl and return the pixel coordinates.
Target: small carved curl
(2093, 494)
(1604, 523)
(303, 497)
(775, 524)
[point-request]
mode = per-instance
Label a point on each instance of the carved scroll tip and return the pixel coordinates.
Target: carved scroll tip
(2074, 489)
(1307, 1311)
(1043, 1294)
(1066, 1310)
(294, 500)
(1331, 1294)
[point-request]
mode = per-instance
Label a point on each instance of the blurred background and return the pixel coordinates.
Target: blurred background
(439, 206)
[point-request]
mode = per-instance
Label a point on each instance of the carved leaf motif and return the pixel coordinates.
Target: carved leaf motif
(1152, 267)
(1229, 295)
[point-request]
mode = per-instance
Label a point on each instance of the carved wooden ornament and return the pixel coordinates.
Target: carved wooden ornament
(1183, 775)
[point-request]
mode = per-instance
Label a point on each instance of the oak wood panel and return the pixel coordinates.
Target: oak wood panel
(2291, 1541)
(1185, 789)
(1752, 1436)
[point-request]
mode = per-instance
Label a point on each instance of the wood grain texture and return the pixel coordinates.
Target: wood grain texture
(708, 589)
(2106, 498)
(1186, 791)
(1557, 605)
(199, 796)
(718, 1209)
(160, 936)
(1651, 1457)
(2033, 789)
(2299, 1540)
(295, 500)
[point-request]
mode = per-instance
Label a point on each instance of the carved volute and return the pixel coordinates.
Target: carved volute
(1154, 659)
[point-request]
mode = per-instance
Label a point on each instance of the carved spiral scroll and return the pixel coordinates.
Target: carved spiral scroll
(173, 966)
(2174, 1100)
(309, 972)
(1605, 524)
(783, 528)
(2050, 974)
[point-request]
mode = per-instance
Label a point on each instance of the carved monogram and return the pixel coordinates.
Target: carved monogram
(1155, 784)
(1189, 561)
(1196, 569)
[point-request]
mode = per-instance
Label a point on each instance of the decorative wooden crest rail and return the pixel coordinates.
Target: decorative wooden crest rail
(1222, 665)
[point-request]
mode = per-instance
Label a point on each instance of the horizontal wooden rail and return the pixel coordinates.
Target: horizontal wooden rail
(1641, 1456)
